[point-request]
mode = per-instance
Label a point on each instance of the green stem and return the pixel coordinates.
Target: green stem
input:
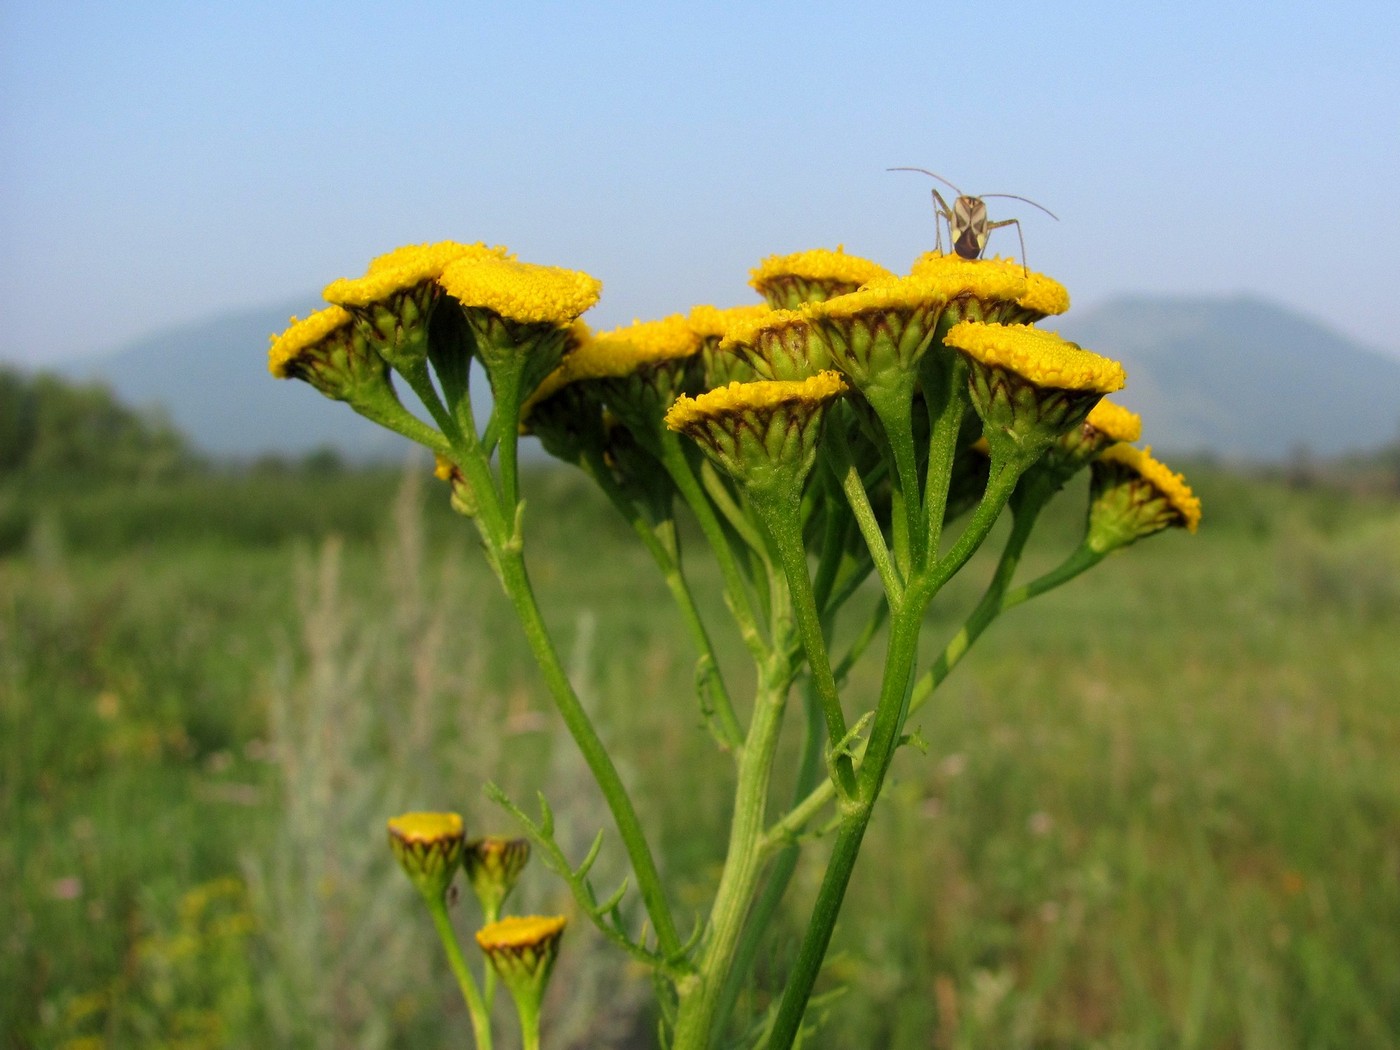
(946, 404)
(779, 512)
(700, 1000)
(899, 664)
(517, 584)
(780, 871)
(673, 458)
(480, 1013)
(667, 558)
(842, 466)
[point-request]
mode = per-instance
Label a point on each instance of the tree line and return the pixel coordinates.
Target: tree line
(50, 426)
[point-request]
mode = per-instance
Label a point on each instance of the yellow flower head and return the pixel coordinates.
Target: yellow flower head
(621, 351)
(774, 345)
(522, 950)
(764, 434)
(429, 849)
(988, 280)
(810, 276)
(1114, 421)
(711, 322)
(440, 253)
(521, 292)
(426, 828)
(1171, 486)
(303, 337)
(404, 268)
(1039, 356)
(516, 932)
(754, 397)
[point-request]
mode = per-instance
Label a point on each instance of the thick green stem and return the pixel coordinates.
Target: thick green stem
(780, 871)
(900, 655)
(517, 586)
(779, 513)
(476, 1007)
(701, 995)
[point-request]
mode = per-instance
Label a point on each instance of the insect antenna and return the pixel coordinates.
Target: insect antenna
(1013, 196)
(940, 178)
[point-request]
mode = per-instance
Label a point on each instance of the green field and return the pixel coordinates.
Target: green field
(1158, 808)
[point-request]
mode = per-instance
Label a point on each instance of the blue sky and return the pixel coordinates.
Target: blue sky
(165, 161)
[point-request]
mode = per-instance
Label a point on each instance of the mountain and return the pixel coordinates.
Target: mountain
(1242, 378)
(211, 377)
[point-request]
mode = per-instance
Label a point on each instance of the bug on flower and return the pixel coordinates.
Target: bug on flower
(968, 225)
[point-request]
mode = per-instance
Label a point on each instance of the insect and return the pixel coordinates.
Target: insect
(968, 226)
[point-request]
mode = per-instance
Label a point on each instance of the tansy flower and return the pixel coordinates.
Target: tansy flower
(493, 864)
(720, 365)
(762, 433)
(429, 848)
(520, 316)
(787, 281)
(1133, 495)
(1028, 385)
(996, 289)
(522, 950)
(775, 344)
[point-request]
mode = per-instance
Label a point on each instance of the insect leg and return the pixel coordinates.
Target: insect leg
(1013, 222)
(940, 207)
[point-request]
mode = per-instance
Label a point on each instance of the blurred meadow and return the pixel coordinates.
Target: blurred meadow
(1158, 808)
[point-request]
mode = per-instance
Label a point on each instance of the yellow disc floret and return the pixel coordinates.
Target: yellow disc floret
(1115, 422)
(1170, 484)
(520, 291)
(520, 931)
(990, 279)
(756, 396)
(818, 264)
(887, 293)
(1044, 295)
(743, 328)
(711, 322)
(1037, 355)
(621, 351)
(441, 252)
(426, 827)
(302, 335)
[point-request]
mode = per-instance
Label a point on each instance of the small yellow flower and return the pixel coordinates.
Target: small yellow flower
(1039, 356)
(624, 350)
(522, 292)
(493, 864)
(1152, 494)
(441, 252)
(401, 269)
(763, 433)
(302, 338)
(429, 848)
(775, 344)
(1029, 386)
(787, 281)
(1114, 421)
(522, 950)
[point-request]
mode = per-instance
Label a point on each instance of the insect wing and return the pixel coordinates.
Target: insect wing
(968, 227)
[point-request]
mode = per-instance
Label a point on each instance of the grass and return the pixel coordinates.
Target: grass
(1158, 808)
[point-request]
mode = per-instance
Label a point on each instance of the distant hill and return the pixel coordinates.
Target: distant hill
(1240, 377)
(1243, 378)
(211, 376)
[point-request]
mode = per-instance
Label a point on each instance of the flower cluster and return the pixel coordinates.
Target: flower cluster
(855, 423)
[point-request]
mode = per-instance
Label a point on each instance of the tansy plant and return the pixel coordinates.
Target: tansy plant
(855, 424)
